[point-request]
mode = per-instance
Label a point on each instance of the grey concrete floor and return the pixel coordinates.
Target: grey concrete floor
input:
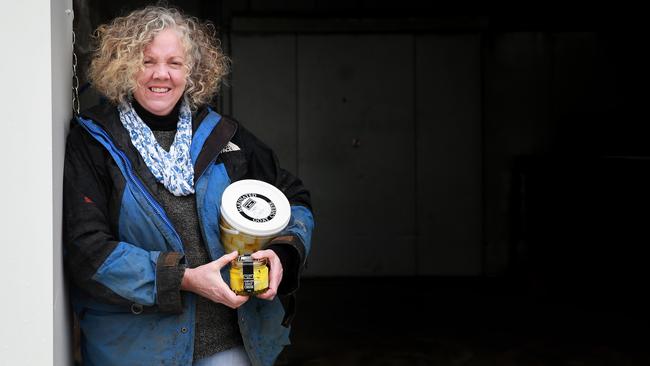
(469, 322)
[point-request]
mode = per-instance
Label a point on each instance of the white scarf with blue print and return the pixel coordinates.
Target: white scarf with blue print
(174, 169)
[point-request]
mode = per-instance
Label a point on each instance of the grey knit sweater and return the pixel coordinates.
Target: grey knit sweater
(216, 327)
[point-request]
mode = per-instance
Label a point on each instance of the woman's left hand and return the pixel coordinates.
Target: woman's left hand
(275, 272)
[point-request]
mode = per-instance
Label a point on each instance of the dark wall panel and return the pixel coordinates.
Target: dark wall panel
(385, 130)
(517, 121)
(355, 106)
(575, 85)
(448, 115)
(264, 91)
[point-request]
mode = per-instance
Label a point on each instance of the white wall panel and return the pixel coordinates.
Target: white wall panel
(35, 100)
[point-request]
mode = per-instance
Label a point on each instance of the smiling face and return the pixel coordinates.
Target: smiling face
(162, 81)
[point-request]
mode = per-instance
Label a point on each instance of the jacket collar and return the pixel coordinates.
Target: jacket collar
(107, 116)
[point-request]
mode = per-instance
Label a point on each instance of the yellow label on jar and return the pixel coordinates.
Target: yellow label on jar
(260, 278)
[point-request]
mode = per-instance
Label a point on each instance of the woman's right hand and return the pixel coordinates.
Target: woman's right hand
(206, 281)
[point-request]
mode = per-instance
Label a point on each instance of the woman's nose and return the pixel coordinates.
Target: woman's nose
(161, 72)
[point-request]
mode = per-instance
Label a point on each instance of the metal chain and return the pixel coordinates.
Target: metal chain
(75, 79)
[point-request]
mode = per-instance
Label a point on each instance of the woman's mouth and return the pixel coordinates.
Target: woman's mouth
(159, 90)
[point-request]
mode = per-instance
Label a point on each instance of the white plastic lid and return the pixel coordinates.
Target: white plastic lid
(255, 207)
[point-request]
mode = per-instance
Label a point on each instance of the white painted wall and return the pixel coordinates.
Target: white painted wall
(35, 39)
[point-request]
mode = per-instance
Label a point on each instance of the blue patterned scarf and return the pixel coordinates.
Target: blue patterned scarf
(174, 169)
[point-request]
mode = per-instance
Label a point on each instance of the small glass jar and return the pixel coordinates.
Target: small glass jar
(249, 276)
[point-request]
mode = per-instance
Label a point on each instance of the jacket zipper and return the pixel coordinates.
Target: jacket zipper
(151, 201)
(197, 205)
(134, 179)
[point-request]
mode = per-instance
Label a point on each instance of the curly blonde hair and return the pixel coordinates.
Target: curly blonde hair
(119, 53)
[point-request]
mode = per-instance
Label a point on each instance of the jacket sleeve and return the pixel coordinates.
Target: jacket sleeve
(295, 240)
(109, 270)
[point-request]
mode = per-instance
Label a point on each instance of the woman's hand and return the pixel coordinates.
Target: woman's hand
(275, 272)
(206, 281)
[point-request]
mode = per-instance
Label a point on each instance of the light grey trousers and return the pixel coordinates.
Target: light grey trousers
(232, 357)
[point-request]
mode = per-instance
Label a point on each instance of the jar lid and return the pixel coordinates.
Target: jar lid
(255, 207)
(247, 259)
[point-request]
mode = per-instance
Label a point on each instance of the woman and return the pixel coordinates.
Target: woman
(144, 176)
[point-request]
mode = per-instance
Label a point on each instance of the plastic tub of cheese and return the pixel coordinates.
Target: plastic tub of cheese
(252, 213)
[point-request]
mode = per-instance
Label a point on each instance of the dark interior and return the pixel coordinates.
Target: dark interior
(480, 180)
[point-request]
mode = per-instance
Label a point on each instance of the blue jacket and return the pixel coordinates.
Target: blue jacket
(125, 258)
